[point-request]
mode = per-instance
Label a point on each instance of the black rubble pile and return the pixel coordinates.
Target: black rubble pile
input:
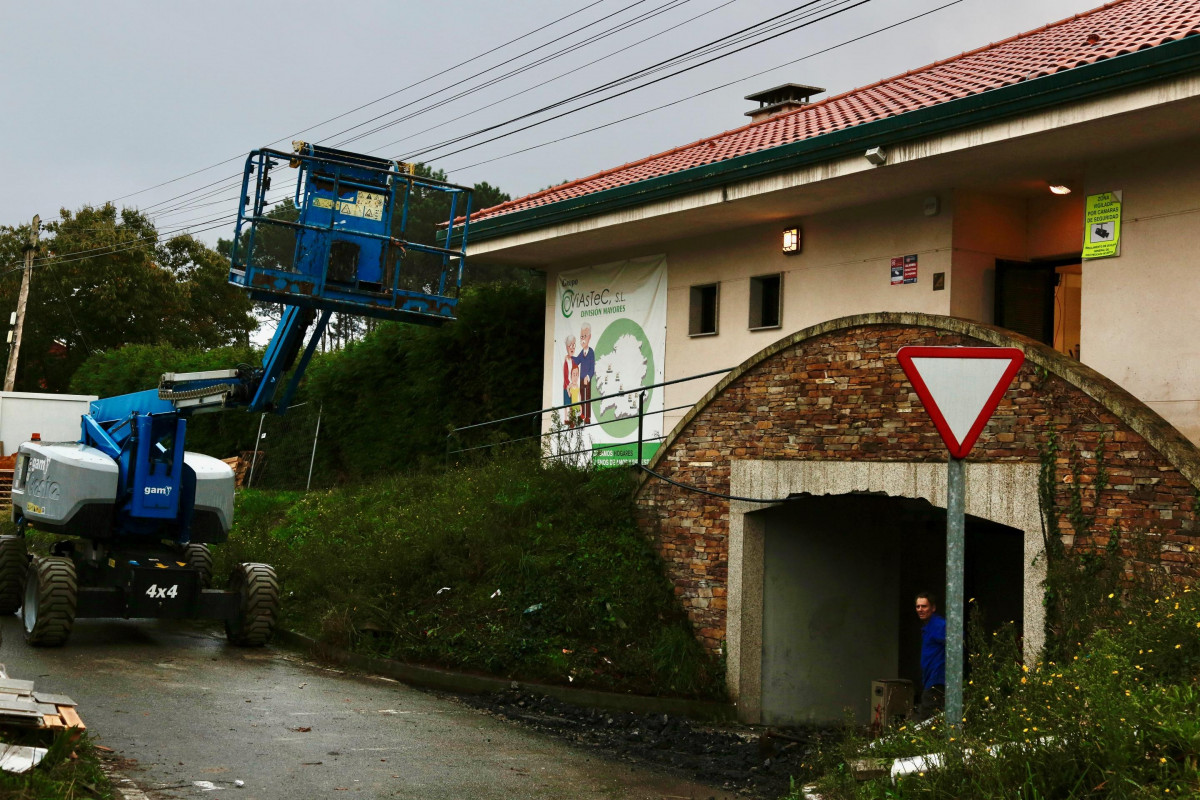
(756, 762)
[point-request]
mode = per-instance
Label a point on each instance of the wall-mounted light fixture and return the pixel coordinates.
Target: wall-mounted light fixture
(792, 239)
(876, 155)
(1059, 188)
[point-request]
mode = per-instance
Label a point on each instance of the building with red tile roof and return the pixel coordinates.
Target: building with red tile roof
(951, 164)
(754, 287)
(1112, 30)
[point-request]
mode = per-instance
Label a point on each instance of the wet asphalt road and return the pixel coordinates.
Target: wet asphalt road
(197, 715)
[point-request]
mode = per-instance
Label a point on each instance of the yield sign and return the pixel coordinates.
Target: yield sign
(960, 387)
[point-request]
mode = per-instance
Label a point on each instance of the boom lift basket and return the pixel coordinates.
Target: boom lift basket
(345, 247)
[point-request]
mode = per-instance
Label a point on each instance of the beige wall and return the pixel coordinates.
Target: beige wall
(1141, 310)
(844, 268)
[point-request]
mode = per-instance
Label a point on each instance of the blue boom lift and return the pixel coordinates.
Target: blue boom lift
(135, 511)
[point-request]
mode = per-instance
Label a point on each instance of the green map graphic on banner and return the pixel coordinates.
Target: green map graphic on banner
(1102, 225)
(624, 361)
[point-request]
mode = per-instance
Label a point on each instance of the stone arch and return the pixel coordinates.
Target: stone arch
(827, 410)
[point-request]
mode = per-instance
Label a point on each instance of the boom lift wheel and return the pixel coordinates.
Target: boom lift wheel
(258, 606)
(14, 563)
(197, 556)
(51, 594)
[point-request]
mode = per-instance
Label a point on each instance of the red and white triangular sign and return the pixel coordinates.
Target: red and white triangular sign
(960, 387)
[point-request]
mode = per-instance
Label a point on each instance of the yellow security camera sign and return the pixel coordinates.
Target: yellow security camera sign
(1102, 225)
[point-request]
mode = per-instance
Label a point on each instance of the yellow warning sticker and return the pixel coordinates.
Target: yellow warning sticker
(367, 205)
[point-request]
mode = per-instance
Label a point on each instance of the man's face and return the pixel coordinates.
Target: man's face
(584, 338)
(925, 608)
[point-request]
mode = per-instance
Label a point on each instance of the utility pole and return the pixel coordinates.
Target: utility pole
(10, 376)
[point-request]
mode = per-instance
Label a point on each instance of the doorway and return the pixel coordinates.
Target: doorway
(839, 577)
(1042, 300)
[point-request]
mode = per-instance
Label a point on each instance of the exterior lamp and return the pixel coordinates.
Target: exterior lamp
(791, 241)
(1058, 188)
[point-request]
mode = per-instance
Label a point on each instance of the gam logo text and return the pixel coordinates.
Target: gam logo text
(157, 490)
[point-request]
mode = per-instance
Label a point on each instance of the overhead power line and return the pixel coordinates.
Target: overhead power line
(630, 76)
(232, 180)
(388, 96)
(84, 255)
(826, 9)
(617, 28)
(568, 112)
(709, 90)
(561, 75)
(732, 38)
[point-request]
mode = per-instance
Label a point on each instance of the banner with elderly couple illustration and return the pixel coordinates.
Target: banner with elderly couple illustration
(610, 336)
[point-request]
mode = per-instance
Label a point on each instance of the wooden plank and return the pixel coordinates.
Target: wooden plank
(71, 718)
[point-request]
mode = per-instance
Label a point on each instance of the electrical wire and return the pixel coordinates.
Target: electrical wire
(561, 75)
(568, 112)
(225, 182)
(97, 252)
(705, 91)
(183, 206)
(373, 102)
(617, 28)
(229, 181)
(637, 73)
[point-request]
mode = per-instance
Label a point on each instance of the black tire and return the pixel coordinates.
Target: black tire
(258, 606)
(14, 563)
(51, 594)
(199, 557)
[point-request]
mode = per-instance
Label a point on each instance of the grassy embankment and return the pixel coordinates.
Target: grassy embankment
(506, 568)
(1115, 717)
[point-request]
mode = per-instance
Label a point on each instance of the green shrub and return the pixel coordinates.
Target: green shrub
(548, 576)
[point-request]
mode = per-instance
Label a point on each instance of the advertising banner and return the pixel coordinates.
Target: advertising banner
(610, 336)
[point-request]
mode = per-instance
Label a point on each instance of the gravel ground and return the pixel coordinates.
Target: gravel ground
(756, 762)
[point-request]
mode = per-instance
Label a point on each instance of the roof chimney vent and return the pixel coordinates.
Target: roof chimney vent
(780, 100)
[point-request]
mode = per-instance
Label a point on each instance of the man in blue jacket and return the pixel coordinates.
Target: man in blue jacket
(933, 656)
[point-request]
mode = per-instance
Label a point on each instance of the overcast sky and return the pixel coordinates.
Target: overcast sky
(103, 100)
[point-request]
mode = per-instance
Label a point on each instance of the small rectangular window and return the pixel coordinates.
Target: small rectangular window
(702, 311)
(766, 309)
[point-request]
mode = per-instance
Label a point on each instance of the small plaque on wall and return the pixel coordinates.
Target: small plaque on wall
(904, 270)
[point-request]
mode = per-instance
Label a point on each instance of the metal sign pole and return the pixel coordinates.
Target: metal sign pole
(960, 388)
(956, 479)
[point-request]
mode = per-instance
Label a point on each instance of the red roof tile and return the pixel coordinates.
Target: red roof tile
(1111, 30)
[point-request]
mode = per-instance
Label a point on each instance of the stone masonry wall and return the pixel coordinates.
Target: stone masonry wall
(841, 395)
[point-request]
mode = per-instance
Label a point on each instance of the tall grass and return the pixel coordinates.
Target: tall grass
(1117, 719)
(506, 567)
